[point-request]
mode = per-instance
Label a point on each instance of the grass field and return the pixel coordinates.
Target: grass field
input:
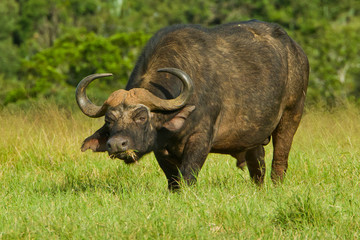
(51, 190)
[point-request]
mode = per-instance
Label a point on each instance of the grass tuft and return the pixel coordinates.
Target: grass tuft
(301, 211)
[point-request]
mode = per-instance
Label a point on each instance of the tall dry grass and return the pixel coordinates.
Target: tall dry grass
(49, 189)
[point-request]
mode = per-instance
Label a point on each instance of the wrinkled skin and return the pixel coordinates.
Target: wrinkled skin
(131, 128)
(250, 80)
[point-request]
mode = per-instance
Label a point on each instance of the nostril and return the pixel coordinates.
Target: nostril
(124, 145)
(117, 144)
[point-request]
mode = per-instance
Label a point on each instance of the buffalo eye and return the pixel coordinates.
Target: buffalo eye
(141, 117)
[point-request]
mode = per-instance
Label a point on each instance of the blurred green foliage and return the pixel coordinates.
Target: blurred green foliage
(76, 55)
(47, 46)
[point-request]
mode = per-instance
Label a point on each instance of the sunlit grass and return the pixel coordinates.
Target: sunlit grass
(50, 189)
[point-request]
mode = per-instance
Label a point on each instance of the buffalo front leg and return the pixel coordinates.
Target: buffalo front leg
(168, 164)
(282, 140)
(194, 155)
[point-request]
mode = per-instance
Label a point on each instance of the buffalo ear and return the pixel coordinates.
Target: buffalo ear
(97, 141)
(176, 123)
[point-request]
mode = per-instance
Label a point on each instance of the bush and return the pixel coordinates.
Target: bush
(75, 56)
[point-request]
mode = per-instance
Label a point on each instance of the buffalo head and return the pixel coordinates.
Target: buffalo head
(131, 120)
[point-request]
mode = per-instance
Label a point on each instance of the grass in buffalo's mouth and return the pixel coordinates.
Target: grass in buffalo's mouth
(132, 154)
(128, 154)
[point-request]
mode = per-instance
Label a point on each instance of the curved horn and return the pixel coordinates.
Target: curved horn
(180, 101)
(87, 107)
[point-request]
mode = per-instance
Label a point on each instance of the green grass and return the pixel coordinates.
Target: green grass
(49, 189)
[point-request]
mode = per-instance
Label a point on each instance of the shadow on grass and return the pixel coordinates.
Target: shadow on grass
(86, 182)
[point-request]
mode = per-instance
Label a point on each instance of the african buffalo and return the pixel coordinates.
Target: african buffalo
(196, 91)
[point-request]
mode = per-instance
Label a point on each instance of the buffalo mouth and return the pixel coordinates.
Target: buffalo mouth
(129, 156)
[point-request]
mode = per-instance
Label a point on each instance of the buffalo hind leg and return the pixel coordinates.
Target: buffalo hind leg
(282, 140)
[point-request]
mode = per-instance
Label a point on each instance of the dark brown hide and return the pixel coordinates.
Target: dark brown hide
(249, 80)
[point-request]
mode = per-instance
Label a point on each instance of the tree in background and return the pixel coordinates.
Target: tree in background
(74, 56)
(9, 58)
(47, 46)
